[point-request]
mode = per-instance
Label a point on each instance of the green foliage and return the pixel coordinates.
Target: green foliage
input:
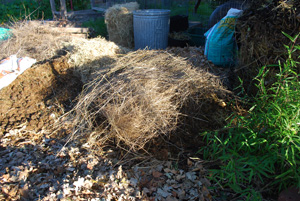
(260, 152)
(78, 4)
(34, 9)
(203, 12)
(98, 26)
(24, 9)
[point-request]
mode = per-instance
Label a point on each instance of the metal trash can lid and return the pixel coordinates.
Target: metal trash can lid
(151, 12)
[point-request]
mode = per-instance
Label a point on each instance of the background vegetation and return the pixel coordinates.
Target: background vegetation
(24, 9)
(40, 9)
(34, 9)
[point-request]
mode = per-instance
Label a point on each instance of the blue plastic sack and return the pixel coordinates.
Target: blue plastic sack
(4, 34)
(220, 45)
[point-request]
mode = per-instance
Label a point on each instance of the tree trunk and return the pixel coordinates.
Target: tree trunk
(53, 9)
(197, 6)
(63, 9)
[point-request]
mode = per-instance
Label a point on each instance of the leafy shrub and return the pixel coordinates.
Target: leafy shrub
(260, 152)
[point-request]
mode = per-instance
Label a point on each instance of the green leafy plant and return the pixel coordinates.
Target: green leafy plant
(259, 152)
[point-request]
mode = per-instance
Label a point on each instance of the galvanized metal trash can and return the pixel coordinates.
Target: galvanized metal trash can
(151, 28)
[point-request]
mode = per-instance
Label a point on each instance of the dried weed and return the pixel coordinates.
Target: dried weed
(28, 40)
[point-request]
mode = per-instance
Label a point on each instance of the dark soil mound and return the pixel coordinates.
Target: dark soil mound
(39, 96)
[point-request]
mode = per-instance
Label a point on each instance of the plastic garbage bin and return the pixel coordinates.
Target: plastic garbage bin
(151, 28)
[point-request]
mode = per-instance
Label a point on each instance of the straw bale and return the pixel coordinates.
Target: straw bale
(147, 94)
(27, 40)
(92, 55)
(119, 21)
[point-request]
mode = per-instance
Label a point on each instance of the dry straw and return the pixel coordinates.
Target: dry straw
(35, 39)
(119, 21)
(195, 56)
(27, 40)
(147, 94)
(92, 55)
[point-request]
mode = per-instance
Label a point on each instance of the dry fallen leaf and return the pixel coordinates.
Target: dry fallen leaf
(13, 192)
(5, 190)
(78, 184)
(156, 174)
(5, 177)
(90, 166)
(24, 192)
(24, 174)
(205, 192)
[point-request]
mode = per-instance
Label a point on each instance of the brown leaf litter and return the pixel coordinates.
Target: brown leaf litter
(48, 170)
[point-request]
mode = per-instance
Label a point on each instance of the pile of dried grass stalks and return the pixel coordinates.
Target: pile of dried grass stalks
(27, 40)
(119, 22)
(40, 41)
(147, 94)
(260, 28)
(89, 56)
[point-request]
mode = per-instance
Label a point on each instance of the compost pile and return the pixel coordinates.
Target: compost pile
(48, 89)
(28, 41)
(39, 96)
(149, 94)
(160, 99)
(195, 56)
(261, 38)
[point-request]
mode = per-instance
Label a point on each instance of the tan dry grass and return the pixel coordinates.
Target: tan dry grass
(34, 39)
(147, 94)
(119, 21)
(91, 55)
(28, 41)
